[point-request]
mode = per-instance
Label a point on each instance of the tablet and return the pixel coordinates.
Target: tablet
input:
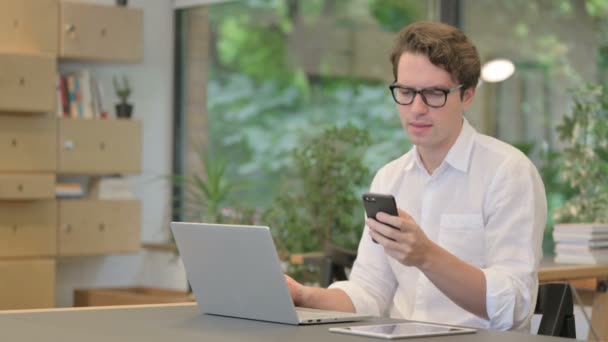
(402, 330)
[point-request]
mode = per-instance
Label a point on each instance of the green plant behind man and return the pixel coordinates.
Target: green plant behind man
(584, 160)
(319, 199)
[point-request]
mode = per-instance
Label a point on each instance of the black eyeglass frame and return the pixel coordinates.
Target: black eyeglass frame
(446, 92)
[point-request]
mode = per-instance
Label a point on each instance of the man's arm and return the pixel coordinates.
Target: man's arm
(319, 298)
(464, 284)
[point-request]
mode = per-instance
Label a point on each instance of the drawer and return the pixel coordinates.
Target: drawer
(28, 228)
(27, 83)
(29, 26)
(96, 147)
(91, 227)
(90, 31)
(27, 284)
(27, 186)
(28, 144)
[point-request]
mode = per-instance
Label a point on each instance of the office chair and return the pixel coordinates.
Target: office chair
(334, 264)
(555, 305)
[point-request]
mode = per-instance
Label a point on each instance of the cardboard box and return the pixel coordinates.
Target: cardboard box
(129, 296)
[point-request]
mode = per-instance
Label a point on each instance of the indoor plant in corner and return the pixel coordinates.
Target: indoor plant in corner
(123, 90)
(582, 233)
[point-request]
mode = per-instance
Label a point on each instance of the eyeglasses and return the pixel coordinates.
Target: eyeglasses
(432, 97)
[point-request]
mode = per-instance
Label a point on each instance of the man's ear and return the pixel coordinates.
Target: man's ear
(468, 96)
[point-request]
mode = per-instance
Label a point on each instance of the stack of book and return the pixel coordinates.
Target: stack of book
(79, 95)
(68, 190)
(581, 243)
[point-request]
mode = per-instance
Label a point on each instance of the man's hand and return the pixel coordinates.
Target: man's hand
(296, 290)
(407, 244)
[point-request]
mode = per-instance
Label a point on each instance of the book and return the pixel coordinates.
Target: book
(72, 97)
(58, 96)
(579, 236)
(78, 95)
(579, 249)
(68, 190)
(581, 259)
(583, 243)
(99, 98)
(65, 101)
(581, 228)
(86, 95)
(114, 188)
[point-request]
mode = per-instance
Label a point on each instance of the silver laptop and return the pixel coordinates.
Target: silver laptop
(235, 271)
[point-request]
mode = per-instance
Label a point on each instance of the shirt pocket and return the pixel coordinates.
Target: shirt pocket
(463, 236)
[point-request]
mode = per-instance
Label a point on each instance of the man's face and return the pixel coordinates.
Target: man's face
(431, 129)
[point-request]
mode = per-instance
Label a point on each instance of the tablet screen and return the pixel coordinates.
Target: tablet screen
(402, 330)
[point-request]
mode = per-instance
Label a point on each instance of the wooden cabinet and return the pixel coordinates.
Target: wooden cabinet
(99, 146)
(28, 228)
(35, 146)
(27, 83)
(28, 143)
(27, 186)
(89, 227)
(100, 32)
(29, 26)
(27, 284)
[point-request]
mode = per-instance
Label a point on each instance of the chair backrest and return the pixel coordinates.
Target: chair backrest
(555, 305)
(334, 264)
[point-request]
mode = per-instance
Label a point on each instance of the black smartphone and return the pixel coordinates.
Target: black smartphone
(375, 203)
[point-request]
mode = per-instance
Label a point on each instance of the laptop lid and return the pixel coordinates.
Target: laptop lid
(234, 271)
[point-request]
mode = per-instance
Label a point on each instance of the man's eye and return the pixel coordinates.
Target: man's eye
(405, 92)
(433, 93)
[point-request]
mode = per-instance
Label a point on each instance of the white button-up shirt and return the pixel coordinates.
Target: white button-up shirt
(486, 205)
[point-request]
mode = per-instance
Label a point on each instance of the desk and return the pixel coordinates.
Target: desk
(550, 271)
(182, 322)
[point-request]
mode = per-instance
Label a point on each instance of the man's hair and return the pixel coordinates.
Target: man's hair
(446, 47)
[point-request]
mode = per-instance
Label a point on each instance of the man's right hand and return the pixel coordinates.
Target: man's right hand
(296, 290)
(318, 298)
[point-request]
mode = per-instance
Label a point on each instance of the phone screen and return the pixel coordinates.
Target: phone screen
(375, 203)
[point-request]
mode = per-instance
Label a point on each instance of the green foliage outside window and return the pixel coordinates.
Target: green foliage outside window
(585, 158)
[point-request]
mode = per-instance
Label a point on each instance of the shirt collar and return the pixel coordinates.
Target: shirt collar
(460, 153)
(458, 156)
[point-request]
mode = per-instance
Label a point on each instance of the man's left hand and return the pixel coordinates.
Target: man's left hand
(401, 238)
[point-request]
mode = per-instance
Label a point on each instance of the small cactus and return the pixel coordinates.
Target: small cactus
(123, 91)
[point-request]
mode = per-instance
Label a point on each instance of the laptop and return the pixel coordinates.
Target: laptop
(234, 271)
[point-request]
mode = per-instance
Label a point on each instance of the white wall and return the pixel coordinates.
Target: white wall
(152, 83)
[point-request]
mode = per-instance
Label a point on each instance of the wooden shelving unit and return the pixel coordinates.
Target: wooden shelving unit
(36, 146)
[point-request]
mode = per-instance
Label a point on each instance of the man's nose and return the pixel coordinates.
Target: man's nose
(418, 106)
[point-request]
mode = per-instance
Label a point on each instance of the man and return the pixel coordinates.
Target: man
(472, 209)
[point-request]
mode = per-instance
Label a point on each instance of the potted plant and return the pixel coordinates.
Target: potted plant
(319, 205)
(123, 90)
(583, 218)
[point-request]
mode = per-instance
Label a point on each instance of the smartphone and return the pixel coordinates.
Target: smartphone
(375, 203)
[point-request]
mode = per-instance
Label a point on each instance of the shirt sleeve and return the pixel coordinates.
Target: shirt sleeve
(372, 283)
(517, 213)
